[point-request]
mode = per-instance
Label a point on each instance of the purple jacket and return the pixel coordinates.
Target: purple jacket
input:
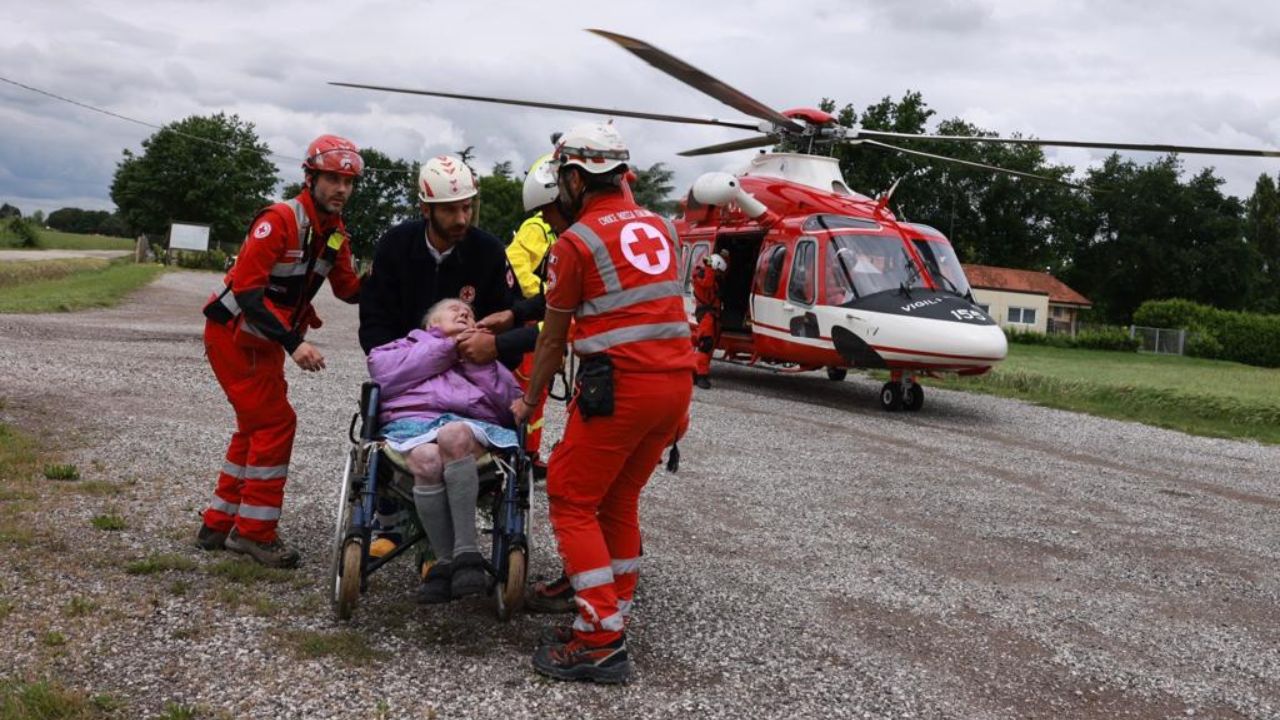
(422, 377)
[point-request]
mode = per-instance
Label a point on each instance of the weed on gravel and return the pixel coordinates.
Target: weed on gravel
(158, 563)
(347, 645)
(79, 607)
(246, 572)
(44, 701)
(110, 522)
(61, 472)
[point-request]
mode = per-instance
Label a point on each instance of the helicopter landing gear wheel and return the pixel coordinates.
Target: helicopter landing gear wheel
(891, 396)
(912, 397)
(349, 582)
(836, 374)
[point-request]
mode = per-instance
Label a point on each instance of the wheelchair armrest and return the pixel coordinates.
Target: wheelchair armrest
(370, 397)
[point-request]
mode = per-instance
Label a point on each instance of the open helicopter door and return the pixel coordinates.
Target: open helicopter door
(735, 287)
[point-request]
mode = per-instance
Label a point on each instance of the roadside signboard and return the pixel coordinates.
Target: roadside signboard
(189, 236)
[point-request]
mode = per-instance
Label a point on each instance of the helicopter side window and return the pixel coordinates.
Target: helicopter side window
(802, 287)
(692, 259)
(773, 271)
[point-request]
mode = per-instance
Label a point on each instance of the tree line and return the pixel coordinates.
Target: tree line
(1147, 232)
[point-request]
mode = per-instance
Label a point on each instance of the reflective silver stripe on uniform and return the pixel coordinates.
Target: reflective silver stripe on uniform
(599, 254)
(254, 472)
(289, 269)
(323, 267)
(591, 578)
(299, 215)
(644, 293)
(232, 469)
(654, 331)
(582, 625)
(228, 300)
(671, 231)
(249, 328)
(259, 512)
(223, 506)
(615, 622)
(624, 566)
(624, 607)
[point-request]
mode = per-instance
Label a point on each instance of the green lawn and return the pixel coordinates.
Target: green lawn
(57, 240)
(1203, 397)
(78, 290)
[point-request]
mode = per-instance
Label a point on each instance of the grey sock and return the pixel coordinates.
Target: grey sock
(462, 482)
(433, 510)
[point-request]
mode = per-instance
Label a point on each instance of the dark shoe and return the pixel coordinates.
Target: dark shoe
(468, 575)
(209, 539)
(437, 586)
(551, 597)
(539, 471)
(273, 554)
(577, 661)
(555, 635)
(702, 381)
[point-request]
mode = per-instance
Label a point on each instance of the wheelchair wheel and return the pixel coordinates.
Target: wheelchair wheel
(509, 594)
(348, 583)
(342, 522)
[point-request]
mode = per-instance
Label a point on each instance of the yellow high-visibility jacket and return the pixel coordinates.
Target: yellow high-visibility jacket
(527, 251)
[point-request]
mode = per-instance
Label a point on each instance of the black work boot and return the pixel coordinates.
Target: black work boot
(551, 597)
(702, 381)
(436, 587)
(468, 575)
(209, 539)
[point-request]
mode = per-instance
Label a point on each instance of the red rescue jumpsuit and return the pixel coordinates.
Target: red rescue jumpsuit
(616, 271)
(706, 304)
(262, 312)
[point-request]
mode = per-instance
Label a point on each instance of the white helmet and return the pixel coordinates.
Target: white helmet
(540, 185)
(717, 262)
(594, 147)
(445, 178)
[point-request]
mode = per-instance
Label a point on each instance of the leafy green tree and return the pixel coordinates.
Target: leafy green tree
(28, 236)
(211, 170)
(37, 217)
(500, 209)
(1262, 232)
(384, 196)
(9, 211)
(652, 189)
(75, 220)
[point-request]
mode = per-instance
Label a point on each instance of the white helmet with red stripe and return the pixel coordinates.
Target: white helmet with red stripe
(445, 178)
(594, 147)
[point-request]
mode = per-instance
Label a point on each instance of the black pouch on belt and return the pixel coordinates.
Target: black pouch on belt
(595, 386)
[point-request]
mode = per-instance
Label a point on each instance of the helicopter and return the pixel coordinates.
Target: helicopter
(819, 275)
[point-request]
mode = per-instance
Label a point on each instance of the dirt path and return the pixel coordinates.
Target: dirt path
(815, 557)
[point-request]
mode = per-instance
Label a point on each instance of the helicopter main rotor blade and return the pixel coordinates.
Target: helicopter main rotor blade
(970, 163)
(692, 76)
(743, 144)
(1190, 149)
(558, 106)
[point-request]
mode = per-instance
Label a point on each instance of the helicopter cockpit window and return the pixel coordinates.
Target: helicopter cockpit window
(874, 263)
(816, 223)
(943, 265)
(803, 286)
(773, 271)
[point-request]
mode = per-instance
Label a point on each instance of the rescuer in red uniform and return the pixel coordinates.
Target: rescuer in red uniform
(707, 306)
(614, 274)
(261, 314)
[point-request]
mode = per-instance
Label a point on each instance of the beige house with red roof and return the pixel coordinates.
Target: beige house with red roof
(1026, 300)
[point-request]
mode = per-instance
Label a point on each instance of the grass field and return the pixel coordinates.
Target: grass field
(81, 288)
(1203, 397)
(56, 240)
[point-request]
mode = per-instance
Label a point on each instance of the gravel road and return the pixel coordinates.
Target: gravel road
(814, 557)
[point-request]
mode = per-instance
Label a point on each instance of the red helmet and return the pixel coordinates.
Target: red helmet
(330, 153)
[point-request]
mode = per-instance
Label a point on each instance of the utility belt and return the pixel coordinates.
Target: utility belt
(701, 310)
(593, 386)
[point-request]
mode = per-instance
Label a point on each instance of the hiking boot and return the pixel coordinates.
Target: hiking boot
(551, 597)
(555, 635)
(539, 470)
(437, 586)
(209, 539)
(702, 381)
(576, 660)
(273, 554)
(468, 575)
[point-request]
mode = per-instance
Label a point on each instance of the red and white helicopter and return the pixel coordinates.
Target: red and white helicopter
(820, 275)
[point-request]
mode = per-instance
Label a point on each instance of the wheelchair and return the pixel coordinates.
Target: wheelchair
(373, 471)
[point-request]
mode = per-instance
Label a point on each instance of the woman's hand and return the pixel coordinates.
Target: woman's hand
(521, 409)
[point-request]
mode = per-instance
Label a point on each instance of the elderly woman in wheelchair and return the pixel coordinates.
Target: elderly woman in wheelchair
(442, 413)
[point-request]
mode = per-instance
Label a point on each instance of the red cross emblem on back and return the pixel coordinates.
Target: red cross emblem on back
(646, 248)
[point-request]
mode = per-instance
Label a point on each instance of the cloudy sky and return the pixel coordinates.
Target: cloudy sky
(1174, 71)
